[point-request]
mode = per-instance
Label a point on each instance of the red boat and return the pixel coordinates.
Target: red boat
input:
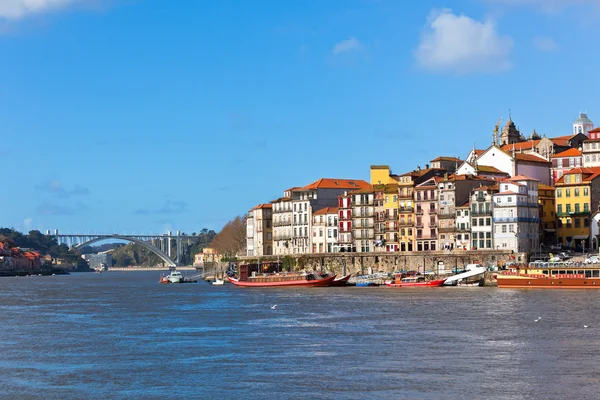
(283, 279)
(341, 281)
(416, 281)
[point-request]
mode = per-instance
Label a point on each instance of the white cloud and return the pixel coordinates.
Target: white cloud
(15, 9)
(545, 44)
(345, 46)
(459, 44)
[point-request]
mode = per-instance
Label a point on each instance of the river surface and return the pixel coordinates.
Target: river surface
(120, 335)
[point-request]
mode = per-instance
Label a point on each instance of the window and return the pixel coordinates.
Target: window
(577, 207)
(480, 221)
(329, 234)
(488, 235)
(576, 192)
(586, 222)
(558, 192)
(568, 208)
(509, 200)
(488, 222)
(511, 228)
(585, 207)
(268, 223)
(488, 244)
(458, 213)
(321, 232)
(568, 192)
(559, 209)
(503, 228)
(269, 236)
(466, 213)
(577, 223)
(474, 221)
(586, 191)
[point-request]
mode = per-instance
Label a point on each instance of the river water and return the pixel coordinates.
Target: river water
(123, 335)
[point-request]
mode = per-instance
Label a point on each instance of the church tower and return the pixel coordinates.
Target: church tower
(510, 134)
(582, 124)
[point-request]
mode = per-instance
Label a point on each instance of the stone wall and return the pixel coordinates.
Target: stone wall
(366, 263)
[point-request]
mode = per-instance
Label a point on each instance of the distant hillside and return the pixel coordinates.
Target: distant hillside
(44, 244)
(101, 248)
(133, 254)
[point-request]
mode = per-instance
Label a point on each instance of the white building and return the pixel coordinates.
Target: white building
(482, 231)
(325, 230)
(282, 224)
(463, 227)
(259, 231)
(363, 218)
(516, 215)
(514, 163)
(591, 149)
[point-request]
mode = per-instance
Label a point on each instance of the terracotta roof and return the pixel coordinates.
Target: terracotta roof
(465, 204)
(542, 186)
(262, 206)
(503, 193)
(281, 199)
(596, 130)
(331, 183)
(568, 153)
(326, 210)
(444, 158)
(489, 169)
(589, 174)
(561, 140)
(522, 178)
(528, 145)
(531, 158)
(479, 152)
(367, 189)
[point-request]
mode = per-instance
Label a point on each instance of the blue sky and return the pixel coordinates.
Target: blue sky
(143, 116)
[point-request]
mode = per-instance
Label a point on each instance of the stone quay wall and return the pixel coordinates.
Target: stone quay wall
(366, 263)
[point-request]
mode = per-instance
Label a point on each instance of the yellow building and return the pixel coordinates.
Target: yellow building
(386, 208)
(577, 192)
(546, 199)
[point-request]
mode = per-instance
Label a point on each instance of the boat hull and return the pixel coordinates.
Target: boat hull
(294, 283)
(341, 281)
(435, 283)
(547, 283)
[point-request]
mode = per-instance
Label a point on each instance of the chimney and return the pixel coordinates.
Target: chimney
(418, 167)
(426, 166)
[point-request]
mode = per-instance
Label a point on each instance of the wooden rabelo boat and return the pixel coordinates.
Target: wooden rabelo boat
(266, 275)
(415, 281)
(342, 281)
(551, 275)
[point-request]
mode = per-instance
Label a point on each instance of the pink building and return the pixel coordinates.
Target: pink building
(565, 161)
(426, 220)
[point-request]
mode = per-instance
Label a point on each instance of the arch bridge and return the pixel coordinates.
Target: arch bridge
(158, 244)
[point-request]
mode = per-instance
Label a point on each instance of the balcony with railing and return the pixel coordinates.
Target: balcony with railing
(363, 235)
(405, 222)
(419, 211)
(391, 228)
(406, 209)
(362, 214)
(481, 212)
(463, 228)
(433, 211)
(391, 217)
(575, 213)
(358, 224)
(516, 219)
(419, 224)
(445, 214)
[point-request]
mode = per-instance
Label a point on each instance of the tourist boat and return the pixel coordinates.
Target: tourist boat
(415, 281)
(282, 279)
(550, 275)
(343, 281)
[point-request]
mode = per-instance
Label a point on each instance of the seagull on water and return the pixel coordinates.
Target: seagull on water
(585, 326)
(274, 306)
(538, 319)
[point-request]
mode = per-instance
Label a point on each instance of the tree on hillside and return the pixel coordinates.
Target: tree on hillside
(231, 240)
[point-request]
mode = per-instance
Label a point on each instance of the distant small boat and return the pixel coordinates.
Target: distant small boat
(173, 277)
(366, 284)
(416, 281)
(218, 281)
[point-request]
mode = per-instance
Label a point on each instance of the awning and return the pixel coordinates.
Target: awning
(581, 237)
(550, 230)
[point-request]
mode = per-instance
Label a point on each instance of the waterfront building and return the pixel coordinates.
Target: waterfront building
(516, 215)
(380, 217)
(325, 230)
(463, 226)
(345, 238)
(311, 198)
(547, 214)
(363, 219)
(453, 190)
(282, 223)
(582, 124)
(565, 161)
(406, 204)
(386, 207)
(426, 209)
(259, 231)
(482, 205)
(591, 149)
(482, 171)
(577, 195)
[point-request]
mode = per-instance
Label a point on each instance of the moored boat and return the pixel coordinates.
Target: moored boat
(415, 281)
(342, 281)
(283, 279)
(550, 275)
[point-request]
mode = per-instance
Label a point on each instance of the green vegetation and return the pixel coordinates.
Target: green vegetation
(43, 244)
(133, 254)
